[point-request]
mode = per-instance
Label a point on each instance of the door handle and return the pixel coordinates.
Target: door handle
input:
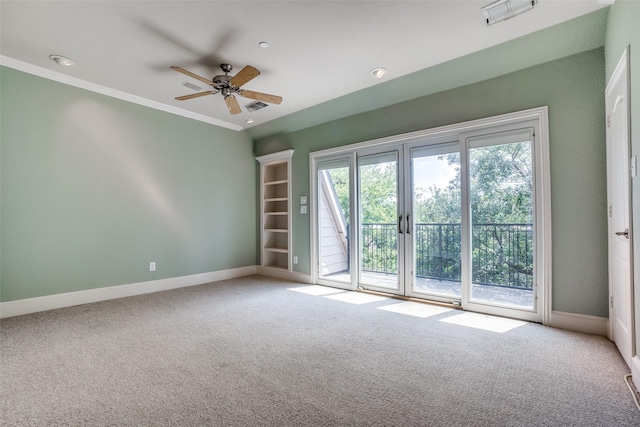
(400, 224)
(624, 233)
(407, 227)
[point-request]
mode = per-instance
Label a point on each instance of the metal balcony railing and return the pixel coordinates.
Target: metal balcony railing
(502, 254)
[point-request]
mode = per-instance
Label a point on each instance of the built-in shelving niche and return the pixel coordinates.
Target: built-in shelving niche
(275, 209)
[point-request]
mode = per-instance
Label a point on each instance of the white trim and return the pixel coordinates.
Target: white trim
(103, 90)
(635, 370)
(313, 213)
(280, 273)
(543, 219)
(538, 113)
(578, 322)
(278, 156)
(68, 299)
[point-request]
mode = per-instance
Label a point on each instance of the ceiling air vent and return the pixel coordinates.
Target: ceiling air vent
(505, 9)
(191, 86)
(255, 106)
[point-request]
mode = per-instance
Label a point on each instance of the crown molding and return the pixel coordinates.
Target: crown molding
(103, 90)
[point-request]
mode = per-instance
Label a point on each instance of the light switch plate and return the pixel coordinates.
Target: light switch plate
(303, 200)
(303, 209)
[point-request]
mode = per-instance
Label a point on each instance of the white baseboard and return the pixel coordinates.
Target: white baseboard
(284, 274)
(51, 302)
(635, 371)
(579, 323)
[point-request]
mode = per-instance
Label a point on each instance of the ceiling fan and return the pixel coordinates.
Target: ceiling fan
(229, 86)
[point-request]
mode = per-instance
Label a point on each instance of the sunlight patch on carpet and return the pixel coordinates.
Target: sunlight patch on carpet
(356, 298)
(415, 309)
(484, 321)
(316, 290)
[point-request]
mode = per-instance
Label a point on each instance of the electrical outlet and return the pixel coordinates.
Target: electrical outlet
(152, 266)
(295, 259)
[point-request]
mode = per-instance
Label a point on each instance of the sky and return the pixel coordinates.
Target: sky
(432, 170)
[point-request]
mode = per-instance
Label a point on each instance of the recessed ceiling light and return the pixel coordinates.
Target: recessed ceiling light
(378, 73)
(263, 45)
(248, 121)
(61, 60)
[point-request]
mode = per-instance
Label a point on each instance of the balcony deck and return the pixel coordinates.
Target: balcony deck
(488, 294)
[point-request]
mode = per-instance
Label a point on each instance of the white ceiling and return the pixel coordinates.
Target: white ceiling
(318, 50)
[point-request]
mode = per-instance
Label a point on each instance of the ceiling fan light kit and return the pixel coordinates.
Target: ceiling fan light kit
(229, 86)
(504, 9)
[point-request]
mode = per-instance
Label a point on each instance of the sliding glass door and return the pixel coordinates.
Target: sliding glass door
(455, 218)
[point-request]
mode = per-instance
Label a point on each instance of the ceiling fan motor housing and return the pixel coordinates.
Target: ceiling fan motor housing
(221, 81)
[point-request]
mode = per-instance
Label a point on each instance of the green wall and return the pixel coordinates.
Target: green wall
(623, 29)
(572, 88)
(93, 188)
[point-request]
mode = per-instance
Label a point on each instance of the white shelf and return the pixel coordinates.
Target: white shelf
(283, 181)
(280, 250)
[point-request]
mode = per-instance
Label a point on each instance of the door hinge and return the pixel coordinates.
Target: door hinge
(609, 120)
(610, 211)
(611, 302)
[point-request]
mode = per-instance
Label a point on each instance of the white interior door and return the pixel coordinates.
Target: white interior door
(618, 165)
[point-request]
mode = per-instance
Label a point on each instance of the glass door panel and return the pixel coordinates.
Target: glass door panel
(436, 207)
(379, 221)
(334, 204)
(501, 194)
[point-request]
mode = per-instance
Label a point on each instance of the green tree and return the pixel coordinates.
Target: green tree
(440, 205)
(378, 193)
(501, 183)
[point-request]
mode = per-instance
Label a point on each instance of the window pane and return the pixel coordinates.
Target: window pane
(333, 203)
(378, 197)
(436, 220)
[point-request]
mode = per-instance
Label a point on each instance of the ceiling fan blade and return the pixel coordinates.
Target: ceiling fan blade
(244, 75)
(232, 104)
(259, 96)
(190, 74)
(195, 95)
